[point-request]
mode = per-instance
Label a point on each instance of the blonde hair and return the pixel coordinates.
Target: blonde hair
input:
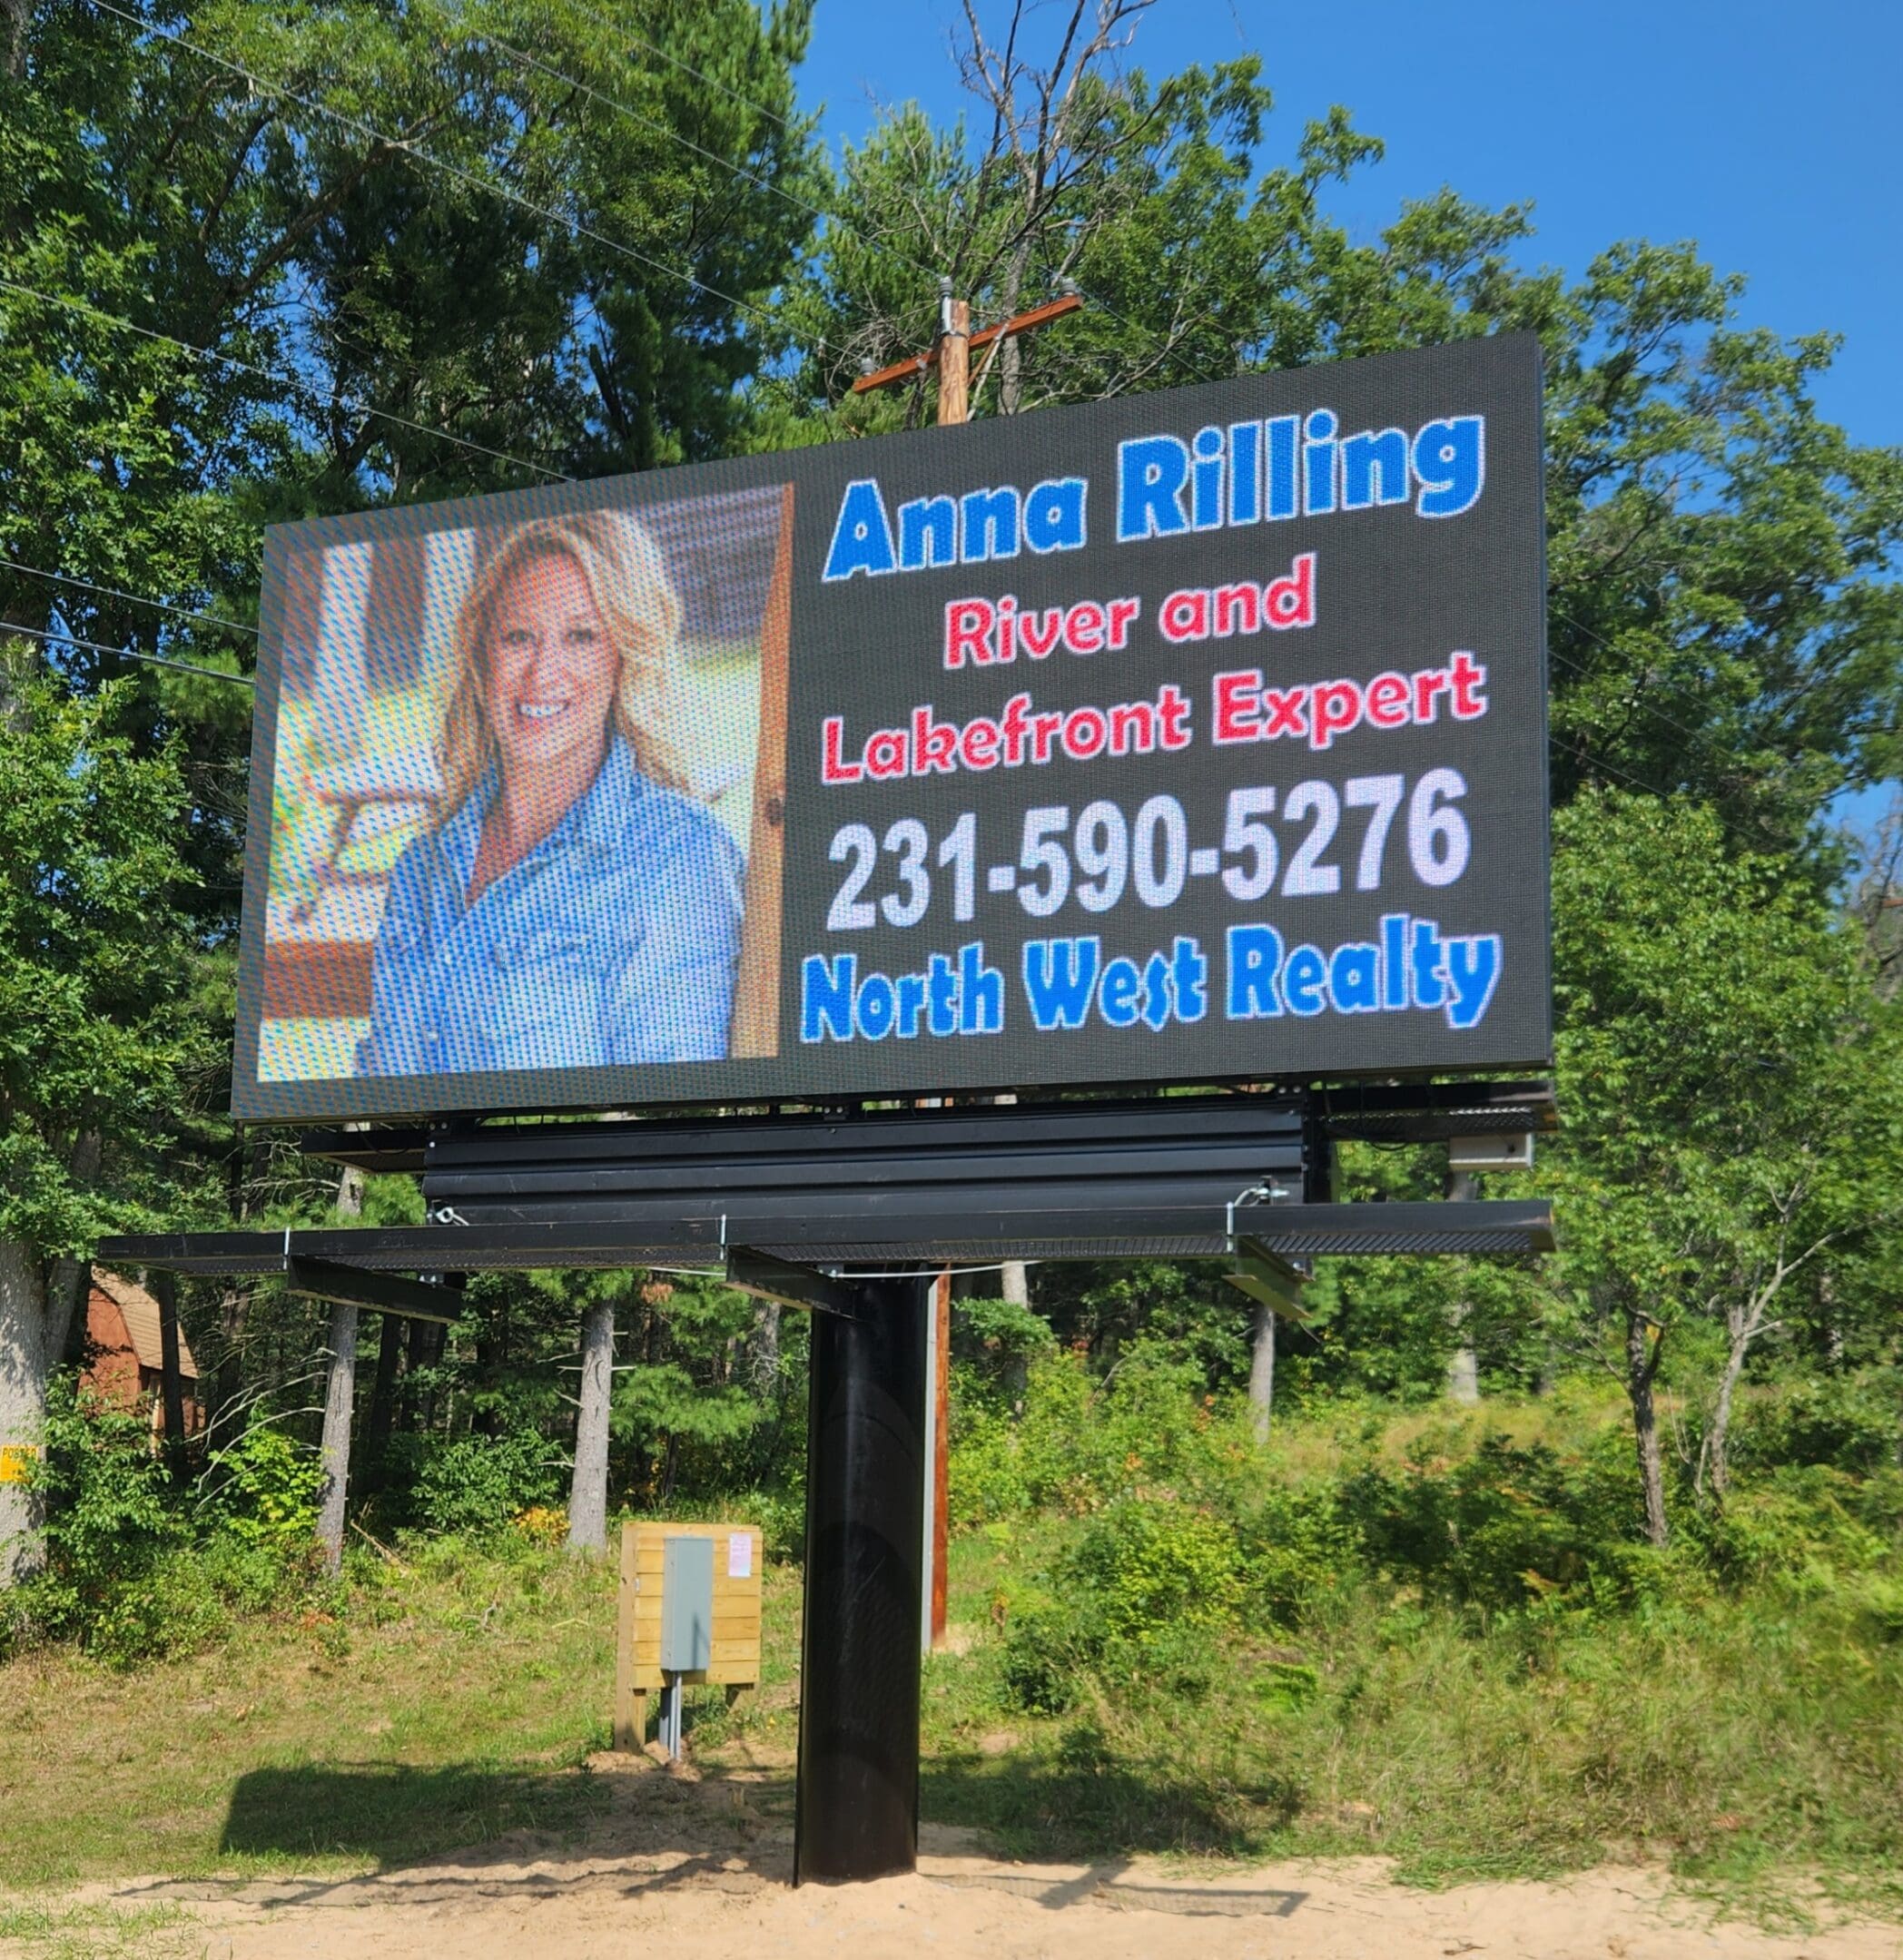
(628, 579)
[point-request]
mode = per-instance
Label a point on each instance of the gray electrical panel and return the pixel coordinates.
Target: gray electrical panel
(687, 1605)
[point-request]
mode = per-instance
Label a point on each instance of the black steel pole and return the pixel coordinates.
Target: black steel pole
(857, 1810)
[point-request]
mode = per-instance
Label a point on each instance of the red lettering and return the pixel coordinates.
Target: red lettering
(1186, 615)
(1338, 707)
(886, 754)
(1287, 712)
(1386, 702)
(1014, 729)
(1083, 627)
(1238, 610)
(833, 768)
(1124, 614)
(1469, 677)
(1173, 712)
(1290, 602)
(1133, 726)
(1238, 701)
(934, 744)
(1038, 632)
(1428, 682)
(1085, 734)
(968, 628)
(1043, 732)
(978, 746)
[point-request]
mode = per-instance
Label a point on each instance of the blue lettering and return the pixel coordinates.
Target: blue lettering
(1304, 979)
(1255, 957)
(1374, 469)
(861, 537)
(1117, 997)
(1151, 471)
(1283, 432)
(1425, 965)
(928, 532)
(912, 1004)
(991, 525)
(1206, 480)
(1318, 466)
(1354, 974)
(1393, 960)
(1054, 515)
(1474, 971)
(826, 996)
(876, 1007)
(980, 993)
(1059, 995)
(1450, 460)
(1244, 472)
(1188, 971)
(942, 994)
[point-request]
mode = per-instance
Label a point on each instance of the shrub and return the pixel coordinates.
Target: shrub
(1849, 1421)
(1510, 1522)
(478, 1483)
(268, 1492)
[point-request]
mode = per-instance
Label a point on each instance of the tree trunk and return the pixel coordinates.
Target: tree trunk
(24, 1363)
(339, 1401)
(589, 1494)
(763, 1360)
(1014, 1286)
(1644, 1341)
(1744, 1324)
(1463, 1363)
(1262, 1371)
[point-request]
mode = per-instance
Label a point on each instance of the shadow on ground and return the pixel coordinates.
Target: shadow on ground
(393, 1812)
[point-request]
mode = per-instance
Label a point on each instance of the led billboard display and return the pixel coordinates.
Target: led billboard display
(1190, 737)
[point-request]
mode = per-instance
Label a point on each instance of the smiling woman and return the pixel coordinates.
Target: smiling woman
(572, 905)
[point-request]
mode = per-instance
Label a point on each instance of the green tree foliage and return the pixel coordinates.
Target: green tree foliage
(266, 262)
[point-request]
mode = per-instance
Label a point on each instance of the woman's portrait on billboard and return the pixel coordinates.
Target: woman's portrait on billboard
(518, 784)
(571, 906)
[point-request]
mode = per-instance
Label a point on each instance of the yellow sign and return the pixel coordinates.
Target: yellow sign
(14, 1457)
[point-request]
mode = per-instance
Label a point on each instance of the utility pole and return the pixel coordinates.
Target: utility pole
(950, 354)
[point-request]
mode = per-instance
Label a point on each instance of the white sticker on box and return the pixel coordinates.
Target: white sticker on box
(740, 1554)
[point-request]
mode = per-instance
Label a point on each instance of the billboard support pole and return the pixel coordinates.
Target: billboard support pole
(856, 1812)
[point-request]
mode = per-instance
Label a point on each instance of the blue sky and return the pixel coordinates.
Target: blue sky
(1770, 133)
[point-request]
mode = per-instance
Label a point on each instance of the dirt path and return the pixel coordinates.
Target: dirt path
(701, 1871)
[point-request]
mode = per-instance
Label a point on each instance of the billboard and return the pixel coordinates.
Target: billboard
(1190, 737)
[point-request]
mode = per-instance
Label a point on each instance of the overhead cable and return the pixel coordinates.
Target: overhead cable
(135, 598)
(9, 627)
(404, 147)
(273, 375)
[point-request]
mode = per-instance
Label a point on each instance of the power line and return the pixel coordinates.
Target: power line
(1165, 340)
(123, 653)
(136, 598)
(273, 375)
(404, 147)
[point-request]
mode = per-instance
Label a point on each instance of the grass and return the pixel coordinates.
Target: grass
(1752, 1741)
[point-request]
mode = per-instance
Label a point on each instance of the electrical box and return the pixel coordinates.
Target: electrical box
(1512, 1151)
(687, 1605)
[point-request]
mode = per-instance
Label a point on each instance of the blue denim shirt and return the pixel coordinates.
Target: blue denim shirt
(612, 941)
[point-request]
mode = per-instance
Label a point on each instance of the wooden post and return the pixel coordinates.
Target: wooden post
(954, 363)
(171, 1382)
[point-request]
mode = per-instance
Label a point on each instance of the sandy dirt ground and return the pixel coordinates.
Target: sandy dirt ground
(701, 1870)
